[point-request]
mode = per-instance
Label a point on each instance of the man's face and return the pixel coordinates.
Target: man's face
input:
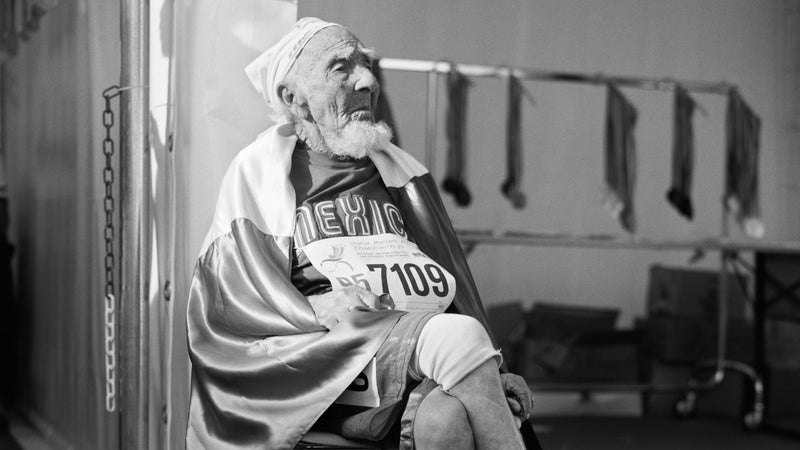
(333, 74)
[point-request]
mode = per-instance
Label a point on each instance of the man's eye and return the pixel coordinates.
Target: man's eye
(339, 67)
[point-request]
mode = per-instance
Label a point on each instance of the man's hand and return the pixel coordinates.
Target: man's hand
(331, 307)
(518, 394)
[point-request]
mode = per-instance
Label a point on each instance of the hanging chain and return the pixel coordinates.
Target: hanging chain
(108, 234)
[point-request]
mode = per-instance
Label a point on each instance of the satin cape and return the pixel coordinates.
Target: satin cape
(263, 369)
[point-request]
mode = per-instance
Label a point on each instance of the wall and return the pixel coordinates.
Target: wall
(751, 43)
(52, 144)
(216, 113)
(52, 135)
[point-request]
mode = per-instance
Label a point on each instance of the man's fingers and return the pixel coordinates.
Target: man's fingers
(516, 408)
(525, 399)
(518, 390)
(369, 299)
(386, 301)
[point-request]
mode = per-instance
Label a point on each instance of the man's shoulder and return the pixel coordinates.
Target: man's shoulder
(397, 166)
(271, 145)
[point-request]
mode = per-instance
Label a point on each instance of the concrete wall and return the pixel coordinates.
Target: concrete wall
(752, 43)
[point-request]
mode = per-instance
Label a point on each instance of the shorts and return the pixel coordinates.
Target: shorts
(399, 395)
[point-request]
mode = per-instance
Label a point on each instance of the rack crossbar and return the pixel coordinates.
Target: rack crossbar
(492, 71)
(475, 237)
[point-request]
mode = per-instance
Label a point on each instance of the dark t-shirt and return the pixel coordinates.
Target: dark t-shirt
(336, 198)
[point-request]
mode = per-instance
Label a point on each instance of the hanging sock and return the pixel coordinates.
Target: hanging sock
(743, 128)
(454, 183)
(679, 193)
(512, 186)
(620, 158)
(383, 110)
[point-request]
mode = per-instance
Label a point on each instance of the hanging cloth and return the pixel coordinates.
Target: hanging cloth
(620, 157)
(743, 128)
(512, 186)
(383, 110)
(454, 183)
(679, 193)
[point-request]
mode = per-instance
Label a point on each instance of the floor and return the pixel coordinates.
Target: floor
(628, 433)
(610, 433)
(7, 442)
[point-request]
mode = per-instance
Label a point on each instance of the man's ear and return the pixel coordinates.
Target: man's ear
(285, 95)
(291, 100)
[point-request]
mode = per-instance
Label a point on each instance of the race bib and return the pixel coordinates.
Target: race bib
(385, 264)
(363, 391)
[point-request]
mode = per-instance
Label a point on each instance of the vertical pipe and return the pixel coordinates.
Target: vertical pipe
(722, 298)
(759, 319)
(430, 122)
(135, 231)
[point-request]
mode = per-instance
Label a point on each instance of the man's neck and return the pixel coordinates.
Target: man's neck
(309, 136)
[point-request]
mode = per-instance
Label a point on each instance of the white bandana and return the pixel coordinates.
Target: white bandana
(272, 66)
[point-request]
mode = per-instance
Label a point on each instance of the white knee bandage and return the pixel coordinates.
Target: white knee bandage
(451, 346)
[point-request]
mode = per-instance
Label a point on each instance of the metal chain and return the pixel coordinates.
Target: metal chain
(108, 234)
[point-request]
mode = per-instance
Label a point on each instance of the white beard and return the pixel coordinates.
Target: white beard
(357, 139)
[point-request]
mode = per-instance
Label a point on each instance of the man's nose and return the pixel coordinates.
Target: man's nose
(366, 81)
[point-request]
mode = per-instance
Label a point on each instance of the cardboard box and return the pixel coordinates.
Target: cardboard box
(782, 343)
(784, 268)
(507, 325)
(688, 339)
(564, 322)
(609, 363)
(594, 357)
(506, 321)
(783, 392)
(691, 292)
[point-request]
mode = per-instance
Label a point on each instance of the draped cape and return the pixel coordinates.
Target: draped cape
(263, 369)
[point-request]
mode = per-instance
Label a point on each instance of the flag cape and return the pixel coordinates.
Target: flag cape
(263, 369)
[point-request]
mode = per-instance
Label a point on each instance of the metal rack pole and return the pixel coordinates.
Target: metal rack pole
(430, 120)
(135, 230)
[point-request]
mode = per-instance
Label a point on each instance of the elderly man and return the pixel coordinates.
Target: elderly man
(331, 264)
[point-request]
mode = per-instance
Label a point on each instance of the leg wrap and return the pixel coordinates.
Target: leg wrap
(451, 346)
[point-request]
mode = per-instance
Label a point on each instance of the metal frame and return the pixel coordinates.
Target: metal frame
(435, 68)
(726, 248)
(719, 364)
(135, 229)
(495, 71)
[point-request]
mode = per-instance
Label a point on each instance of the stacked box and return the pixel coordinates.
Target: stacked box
(687, 339)
(784, 268)
(782, 338)
(577, 344)
(690, 292)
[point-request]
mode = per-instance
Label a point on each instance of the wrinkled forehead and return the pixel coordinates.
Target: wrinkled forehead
(332, 43)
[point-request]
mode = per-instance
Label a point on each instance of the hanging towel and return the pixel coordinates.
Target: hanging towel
(620, 158)
(679, 193)
(743, 128)
(512, 186)
(454, 182)
(383, 110)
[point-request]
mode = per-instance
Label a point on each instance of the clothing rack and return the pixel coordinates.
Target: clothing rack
(435, 68)
(727, 249)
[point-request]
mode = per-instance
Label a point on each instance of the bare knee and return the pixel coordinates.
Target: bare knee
(442, 422)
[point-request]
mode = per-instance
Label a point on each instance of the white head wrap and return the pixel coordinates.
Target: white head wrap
(270, 69)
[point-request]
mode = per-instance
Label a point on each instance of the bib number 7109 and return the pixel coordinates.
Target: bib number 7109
(414, 279)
